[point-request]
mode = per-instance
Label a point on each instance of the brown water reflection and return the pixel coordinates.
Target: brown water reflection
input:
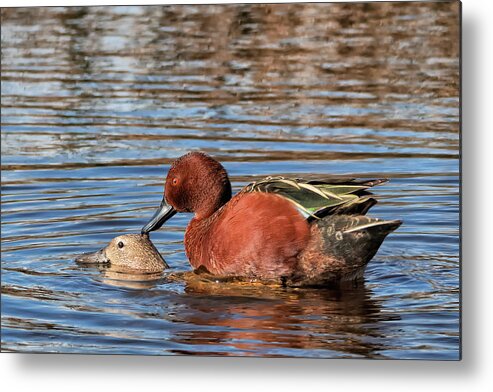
(249, 324)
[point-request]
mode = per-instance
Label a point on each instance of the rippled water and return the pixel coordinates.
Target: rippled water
(96, 102)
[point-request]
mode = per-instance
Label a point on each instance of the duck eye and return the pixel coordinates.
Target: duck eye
(120, 244)
(175, 181)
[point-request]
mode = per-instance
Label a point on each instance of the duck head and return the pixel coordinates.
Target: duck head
(129, 252)
(195, 183)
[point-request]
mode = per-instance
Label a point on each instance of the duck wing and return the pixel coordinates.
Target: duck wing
(316, 199)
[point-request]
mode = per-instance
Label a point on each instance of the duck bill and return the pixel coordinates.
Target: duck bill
(163, 213)
(98, 257)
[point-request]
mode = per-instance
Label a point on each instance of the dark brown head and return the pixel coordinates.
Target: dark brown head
(195, 183)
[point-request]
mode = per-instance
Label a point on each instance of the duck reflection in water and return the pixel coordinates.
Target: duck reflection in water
(257, 317)
(268, 319)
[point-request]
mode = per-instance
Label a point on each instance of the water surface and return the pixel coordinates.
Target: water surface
(96, 103)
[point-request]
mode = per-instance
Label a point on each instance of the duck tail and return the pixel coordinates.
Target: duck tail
(341, 246)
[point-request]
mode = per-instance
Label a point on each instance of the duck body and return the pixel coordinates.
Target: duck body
(299, 232)
(254, 235)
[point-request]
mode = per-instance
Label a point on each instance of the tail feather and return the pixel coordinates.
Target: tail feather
(341, 247)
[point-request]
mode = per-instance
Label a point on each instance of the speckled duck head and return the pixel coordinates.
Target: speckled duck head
(127, 253)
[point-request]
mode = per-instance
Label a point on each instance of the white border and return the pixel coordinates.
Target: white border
(19, 372)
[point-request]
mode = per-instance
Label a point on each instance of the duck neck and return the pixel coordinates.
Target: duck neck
(212, 200)
(200, 234)
(198, 239)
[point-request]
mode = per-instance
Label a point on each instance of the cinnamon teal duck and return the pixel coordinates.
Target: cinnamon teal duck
(301, 233)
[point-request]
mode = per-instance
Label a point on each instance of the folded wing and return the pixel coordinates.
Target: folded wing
(317, 199)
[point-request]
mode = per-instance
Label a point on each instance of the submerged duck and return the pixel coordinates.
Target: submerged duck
(297, 232)
(127, 253)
